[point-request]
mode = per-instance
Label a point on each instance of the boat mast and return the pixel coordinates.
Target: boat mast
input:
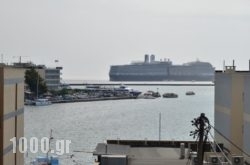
(159, 126)
(50, 138)
(37, 83)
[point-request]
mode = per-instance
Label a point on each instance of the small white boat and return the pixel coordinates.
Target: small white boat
(42, 102)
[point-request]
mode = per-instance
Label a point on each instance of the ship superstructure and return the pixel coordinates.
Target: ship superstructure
(163, 70)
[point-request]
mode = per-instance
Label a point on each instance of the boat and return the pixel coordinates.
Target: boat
(156, 94)
(131, 91)
(169, 95)
(122, 90)
(43, 160)
(42, 102)
(47, 160)
(163, 70)
(148, 96)
(190, 93)
(28, 102)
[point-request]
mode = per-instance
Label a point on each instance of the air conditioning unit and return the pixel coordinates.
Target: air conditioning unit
(215, 160)
(237, 160)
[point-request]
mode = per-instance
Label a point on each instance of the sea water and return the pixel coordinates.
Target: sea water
(89, 123)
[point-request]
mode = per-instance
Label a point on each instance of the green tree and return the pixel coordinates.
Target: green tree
(32, 79)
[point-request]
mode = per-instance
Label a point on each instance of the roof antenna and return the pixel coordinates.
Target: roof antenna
(233, 65)
(224, 66)
(249, 64)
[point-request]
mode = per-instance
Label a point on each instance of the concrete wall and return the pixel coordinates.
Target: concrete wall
(11, 111)
(223, 94)
(237, 112)
(232, 109)
(246, 138)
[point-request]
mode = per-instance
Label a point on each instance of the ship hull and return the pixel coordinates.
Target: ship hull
(162, 71)
(161, 78)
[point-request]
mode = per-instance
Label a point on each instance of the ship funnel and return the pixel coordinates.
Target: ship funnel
(152, 58)
(146, 58)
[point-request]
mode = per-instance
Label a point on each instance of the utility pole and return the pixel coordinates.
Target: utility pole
(202, 128)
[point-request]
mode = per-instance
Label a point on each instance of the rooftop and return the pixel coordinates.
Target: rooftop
(142, 155)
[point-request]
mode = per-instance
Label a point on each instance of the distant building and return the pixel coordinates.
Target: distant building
(11, 113)
(232, 109)
(52, 76)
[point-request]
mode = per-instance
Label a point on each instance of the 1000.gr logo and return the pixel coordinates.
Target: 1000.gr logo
(61, 146)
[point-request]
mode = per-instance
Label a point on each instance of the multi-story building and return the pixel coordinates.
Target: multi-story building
(52, 76)
(232, 110)
(11, 113)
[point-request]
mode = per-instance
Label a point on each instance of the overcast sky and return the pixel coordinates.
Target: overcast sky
(87, 36)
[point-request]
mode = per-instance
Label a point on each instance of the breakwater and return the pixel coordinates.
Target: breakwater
(142, 84)
(92, 99)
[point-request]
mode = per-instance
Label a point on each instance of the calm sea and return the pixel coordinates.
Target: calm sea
(89, 123)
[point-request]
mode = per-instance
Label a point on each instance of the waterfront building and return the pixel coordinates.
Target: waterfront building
(52, 76)
(11, 113)
(232, 110)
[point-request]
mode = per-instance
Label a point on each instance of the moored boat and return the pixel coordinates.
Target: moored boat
(42, 102)
(190, 93)
(169, 95)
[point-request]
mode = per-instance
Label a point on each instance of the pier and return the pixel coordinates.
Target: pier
(92, 99)
(143, 84)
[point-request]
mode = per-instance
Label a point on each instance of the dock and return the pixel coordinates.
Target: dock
(142, 84)
(89, 99)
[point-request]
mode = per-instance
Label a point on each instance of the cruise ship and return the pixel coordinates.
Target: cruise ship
(163, 70)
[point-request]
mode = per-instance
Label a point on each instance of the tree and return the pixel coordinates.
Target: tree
(32, 79)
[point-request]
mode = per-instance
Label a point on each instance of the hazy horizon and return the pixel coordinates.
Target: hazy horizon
(87, 36)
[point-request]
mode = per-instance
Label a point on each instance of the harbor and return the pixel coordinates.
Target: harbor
(134, 82)
(127, 120)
